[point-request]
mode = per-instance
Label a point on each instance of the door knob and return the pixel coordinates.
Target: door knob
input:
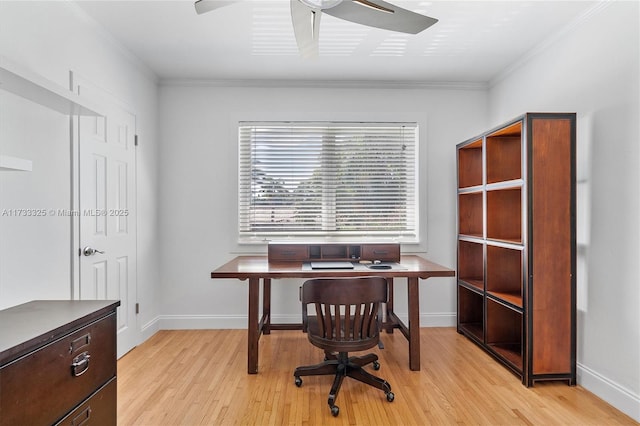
(90, 251)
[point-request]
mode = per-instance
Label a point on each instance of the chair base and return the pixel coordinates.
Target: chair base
(341, 365)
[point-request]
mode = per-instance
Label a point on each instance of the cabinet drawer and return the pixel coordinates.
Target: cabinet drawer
(99, 409)
(42, 386)
(293, 252)
(383, 252)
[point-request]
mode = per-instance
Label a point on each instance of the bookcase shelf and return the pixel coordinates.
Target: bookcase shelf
(471, 264)
(470, 216)
(504, 154)
(470, 165)
(516, 245)
(504, 333)
(504, 274)
(504, 215)
(471, 308)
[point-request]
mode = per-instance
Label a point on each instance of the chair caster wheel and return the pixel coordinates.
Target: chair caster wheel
(390, 397)
(335, 411)
(376, 365)
(298, 381)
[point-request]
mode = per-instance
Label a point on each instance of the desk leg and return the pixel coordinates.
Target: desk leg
(253, 332)
(414, 324)
(266, 305)
(388, 320)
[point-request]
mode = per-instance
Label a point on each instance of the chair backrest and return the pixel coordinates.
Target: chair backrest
(346, 312)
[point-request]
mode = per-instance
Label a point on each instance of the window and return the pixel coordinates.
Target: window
(328, 180)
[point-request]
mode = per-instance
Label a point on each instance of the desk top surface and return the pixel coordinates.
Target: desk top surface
(245, 267)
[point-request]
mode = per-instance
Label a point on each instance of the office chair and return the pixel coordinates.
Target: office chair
(346, 320)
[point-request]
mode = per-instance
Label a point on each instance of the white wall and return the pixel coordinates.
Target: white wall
(593, 70)
(199, 187)
(34, 251)
(52, 38)
(191, 228)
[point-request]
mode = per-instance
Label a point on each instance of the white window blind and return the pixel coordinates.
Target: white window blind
(327, 179)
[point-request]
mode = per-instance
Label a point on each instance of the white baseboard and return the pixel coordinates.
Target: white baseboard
(618, 396)
(150, 328)
(438, 319)
(201, 322)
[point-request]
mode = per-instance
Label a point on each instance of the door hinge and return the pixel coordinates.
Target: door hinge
(137, 308)
(135, 140)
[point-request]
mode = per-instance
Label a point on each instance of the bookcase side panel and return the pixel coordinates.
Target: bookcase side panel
(551, 246)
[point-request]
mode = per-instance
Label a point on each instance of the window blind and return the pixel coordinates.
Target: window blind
(327, 179)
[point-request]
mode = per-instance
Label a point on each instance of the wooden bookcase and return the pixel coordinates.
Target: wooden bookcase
(517, 245)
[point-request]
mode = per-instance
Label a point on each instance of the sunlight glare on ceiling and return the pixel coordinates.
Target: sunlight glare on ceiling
(339, 37)
(272, 31)
(394, 45)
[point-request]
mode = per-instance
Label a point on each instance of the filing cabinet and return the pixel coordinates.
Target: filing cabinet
(58, 363)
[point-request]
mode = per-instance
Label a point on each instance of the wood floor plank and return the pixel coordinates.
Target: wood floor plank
(198, 377)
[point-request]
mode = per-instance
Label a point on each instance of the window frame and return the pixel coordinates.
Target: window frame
(413, 238)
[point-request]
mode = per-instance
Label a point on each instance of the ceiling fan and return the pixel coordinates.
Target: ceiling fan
(305, 15)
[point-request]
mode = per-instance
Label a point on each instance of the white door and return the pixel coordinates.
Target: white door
(107, 211)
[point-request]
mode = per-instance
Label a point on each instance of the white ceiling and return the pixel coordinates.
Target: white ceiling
(473, 42)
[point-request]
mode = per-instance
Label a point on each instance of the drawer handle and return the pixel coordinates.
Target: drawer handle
(80, 364)
(380, 252)
(288, 252)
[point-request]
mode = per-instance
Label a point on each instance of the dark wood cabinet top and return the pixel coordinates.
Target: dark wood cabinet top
(31, 325)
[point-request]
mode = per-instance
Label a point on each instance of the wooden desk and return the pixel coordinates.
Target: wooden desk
(257, 268)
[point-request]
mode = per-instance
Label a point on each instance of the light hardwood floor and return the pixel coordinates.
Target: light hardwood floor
(198, 377)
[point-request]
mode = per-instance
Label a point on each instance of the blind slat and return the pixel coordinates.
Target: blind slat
(327, 179)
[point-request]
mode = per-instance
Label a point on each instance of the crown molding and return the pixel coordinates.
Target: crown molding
(326, 84)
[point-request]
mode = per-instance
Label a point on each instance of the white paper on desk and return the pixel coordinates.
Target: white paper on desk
(331, 265)
(306, 266)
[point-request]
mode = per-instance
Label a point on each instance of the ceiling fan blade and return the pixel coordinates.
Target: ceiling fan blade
(204, 6)
(380, 14)
(306, 27)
